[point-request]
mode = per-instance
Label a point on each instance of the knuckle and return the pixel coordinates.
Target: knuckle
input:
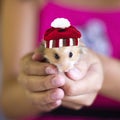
(45, 84)
(27, 67)
(47, 98)
(22, 79)
(78, 107)
(48, 82)
(30, 85)
(50, 106)
(88, 102)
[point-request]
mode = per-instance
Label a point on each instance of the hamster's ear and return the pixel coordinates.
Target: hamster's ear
(42, 43)
(83, 50)
(42, 47)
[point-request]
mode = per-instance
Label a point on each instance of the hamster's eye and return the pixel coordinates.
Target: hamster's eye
(56, 56)
(70, 54)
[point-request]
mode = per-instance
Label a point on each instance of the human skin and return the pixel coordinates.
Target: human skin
(13, 94)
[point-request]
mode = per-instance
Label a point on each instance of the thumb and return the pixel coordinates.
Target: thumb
(78, 71)
(37, 55)
(75, 74)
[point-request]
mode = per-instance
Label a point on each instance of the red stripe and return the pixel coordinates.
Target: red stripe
(57, 43)
(76, 41)
(67, 42)
(47, 44)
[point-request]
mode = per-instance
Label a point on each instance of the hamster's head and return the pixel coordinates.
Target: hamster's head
(64, 57)
(61, 43)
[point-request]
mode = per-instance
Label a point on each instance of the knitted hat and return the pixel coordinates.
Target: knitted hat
(61, 34)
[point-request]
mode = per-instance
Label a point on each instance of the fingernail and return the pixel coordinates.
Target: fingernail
(58, 81)
(50, 70)
(36, 56)
(58, 103)
(57, 95)
(75, 74)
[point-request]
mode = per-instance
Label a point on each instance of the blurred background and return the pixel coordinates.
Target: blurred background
(87, 30)
(1, 115)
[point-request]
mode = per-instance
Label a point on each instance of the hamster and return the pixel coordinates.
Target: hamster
(63, 57)
(62, 45)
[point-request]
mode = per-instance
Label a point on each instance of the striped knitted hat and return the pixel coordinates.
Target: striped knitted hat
(61, 34)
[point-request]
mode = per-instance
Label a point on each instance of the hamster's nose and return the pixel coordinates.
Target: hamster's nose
(66, 70)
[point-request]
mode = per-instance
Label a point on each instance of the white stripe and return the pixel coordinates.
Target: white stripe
(60, 42)
(78, 41)
(51, 44)
(71, 41)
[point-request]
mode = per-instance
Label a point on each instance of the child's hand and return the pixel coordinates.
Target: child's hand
(85, 82)
(76, 89)
(41, 83)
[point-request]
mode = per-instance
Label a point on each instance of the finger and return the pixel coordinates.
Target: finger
(76, 74)
(81, 100)
(80, 69)
(45, 97)
(72, 105)
(32, 67)
(41, 83)
(50, 106)
(37, 55)
(92, 82)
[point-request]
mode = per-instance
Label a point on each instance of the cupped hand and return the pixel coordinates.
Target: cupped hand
(83, 82)
(47, 88)
(41, 82)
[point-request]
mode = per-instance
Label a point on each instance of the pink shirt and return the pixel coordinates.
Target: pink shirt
(100, 30)
(108, 23)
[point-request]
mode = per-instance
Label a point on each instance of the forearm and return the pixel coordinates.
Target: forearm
(19, 34)
(111, 84)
